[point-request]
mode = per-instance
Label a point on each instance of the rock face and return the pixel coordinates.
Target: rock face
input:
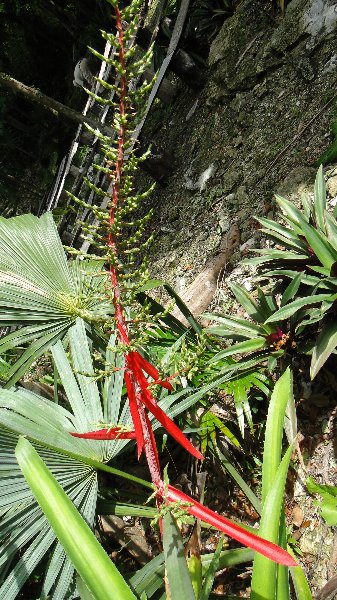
(264, 115)
(256, 44)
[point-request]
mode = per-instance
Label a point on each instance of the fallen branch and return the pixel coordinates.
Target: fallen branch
(56, 108)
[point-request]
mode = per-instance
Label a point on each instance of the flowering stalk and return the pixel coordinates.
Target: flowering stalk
(139, 394)
(116, 180)
(233, 530)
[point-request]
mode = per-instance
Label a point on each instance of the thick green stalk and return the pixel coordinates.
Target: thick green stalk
(87, 555)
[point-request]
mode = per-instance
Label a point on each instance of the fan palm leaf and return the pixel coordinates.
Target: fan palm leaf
(39, 290)
(71, 460)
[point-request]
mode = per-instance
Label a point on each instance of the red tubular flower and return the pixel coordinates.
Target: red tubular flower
(171, 427)
(134, 401)
(246, 538)
(150, 403)
(152, 371)
(111, 433)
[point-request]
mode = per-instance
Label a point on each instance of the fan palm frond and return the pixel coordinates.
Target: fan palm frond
(70, 460)
(39, 291)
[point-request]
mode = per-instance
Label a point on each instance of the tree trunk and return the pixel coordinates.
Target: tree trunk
(198, 295)
(57, 108)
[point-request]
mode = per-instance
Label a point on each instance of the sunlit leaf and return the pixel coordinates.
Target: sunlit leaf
(264, 571)
(240, 348)
(211, 571)
(177, 572)
(247, 301)
(319, 205)
(290, 309)
(325, 345)
(291, 289)
(328, 504)
(85, 552)
(39, 288)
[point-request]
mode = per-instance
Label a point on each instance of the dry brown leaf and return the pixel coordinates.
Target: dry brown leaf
(297, 516)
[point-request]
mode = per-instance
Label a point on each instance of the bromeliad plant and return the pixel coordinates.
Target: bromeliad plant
(256, 335)
(307, 253)
(280, 325)
(271, 346)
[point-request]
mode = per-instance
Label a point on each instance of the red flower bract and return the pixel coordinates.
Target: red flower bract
(111, 433)
(275, 336)
(236, 532)
(134, 366)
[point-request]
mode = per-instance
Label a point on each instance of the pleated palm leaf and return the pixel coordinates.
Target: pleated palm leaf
(26, 537)
(39, 290)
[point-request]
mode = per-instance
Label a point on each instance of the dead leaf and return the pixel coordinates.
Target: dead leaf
(297, 516)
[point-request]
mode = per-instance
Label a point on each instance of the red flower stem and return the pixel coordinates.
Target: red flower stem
(119, 315)
(114, 433)
(150, 447)
(135, 381)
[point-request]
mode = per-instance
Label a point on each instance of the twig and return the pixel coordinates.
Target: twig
(260, 34)
(328, 591)
(298, 135)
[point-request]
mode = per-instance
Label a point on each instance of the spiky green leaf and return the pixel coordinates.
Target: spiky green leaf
(325, 345)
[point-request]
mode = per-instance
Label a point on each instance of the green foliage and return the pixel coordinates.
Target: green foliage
(94, 566)
(149, 579)
(309, 257)
(210, 425)
(204, 20)
(259, 338)
(256, 334)
(40, 292)
(243, 387)
(274, 472)
(211, 571)
(73, 461)
(207, 16)
(180, 584)
(328, 504)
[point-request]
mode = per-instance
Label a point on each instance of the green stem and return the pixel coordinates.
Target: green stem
(96, 464)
